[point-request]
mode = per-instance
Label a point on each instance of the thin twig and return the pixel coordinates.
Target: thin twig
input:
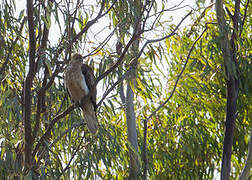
(177, 80)
(134, 61)
(244, 16)
(113, 86)
(102, 44)
(78, 148)
(75, 38)
(66, 131)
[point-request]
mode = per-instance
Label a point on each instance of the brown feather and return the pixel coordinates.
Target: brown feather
(90, 80)
(90, 116)
(79, 80)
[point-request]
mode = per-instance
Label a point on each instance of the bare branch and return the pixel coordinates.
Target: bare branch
(159, 39)
(148, 13)
(173, 8)
(102, 44)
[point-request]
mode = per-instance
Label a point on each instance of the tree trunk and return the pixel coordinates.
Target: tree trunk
(229, 55)
(232, 94)
(132, 134)
(27, 88)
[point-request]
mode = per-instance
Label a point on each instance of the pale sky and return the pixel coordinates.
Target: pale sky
(55, 33)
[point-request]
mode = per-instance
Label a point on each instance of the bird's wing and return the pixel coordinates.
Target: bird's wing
(90, 81)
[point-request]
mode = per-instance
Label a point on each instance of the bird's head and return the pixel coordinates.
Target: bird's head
(76, 59)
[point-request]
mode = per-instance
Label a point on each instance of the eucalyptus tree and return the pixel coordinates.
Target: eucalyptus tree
(161, 88)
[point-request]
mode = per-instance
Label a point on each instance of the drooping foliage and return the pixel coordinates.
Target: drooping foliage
(182, 140)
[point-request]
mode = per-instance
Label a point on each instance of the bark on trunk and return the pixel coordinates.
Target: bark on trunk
(229, 55)
(232, 94)
(132, 134)
(27, 88)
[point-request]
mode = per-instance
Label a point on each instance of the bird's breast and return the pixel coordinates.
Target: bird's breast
(76, 84)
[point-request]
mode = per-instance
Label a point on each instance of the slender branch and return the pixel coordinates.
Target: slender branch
(91, 22)
(145, 160)
(102, 44)
(148, 12)
(159, 39)
(120, 60)
(75, 38)
(172, 33)
(178, 78)
(134, 61)
(173, 8)
(78, 148)
(50, 127)
(113, 86)
(244, 16)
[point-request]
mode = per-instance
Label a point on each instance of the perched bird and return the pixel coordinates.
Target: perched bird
(79, 79)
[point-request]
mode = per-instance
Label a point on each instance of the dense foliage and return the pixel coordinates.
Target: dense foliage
(179, 63)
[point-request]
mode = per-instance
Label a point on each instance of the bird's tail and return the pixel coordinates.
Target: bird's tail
(90, 117)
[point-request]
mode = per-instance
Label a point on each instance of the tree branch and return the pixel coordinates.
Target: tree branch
(145, 160)
(113, 86)
(178, 78)
(61, 136)
(74, 39)
(120, 60)
(134, 61)
(50, 127)
(78, 148)
(244, 16)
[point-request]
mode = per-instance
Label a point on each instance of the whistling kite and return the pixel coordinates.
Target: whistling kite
(79, 79)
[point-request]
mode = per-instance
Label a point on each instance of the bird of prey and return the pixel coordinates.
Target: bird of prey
(79, 79)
